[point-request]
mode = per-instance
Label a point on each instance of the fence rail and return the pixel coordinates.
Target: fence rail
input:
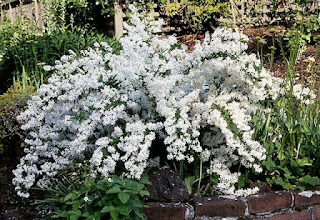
(263, 8)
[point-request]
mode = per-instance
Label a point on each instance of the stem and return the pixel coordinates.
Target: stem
(181, 168)
(272, 53)
(200, 175)
(261, 66)
(233, 15)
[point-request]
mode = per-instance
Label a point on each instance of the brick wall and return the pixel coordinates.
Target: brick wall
(280, 205)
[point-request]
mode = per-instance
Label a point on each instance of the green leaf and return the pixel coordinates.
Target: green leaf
(114, 214)
(124, 197)
(243, 180)
(74, 217)
(145, 180)
(304, 162)
(144, 193)
(134, 186)
(123, 210)
(67, 197)
(113, 190)
(107, 208)
(284, 184)
(86, 214)
(313, 181)
(74, 214)
(189, 182)
(137, 204)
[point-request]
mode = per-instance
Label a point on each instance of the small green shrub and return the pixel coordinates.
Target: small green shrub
(196, 15)
(10, 36)
(88, 14)
(305, 28)
(112, 198)
(12, 103)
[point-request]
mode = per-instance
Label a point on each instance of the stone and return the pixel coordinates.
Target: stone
(268, 202)
(303, 215)
(216, 206)
(316, 213)
(167, 186)
(301, 200)
(165, 211)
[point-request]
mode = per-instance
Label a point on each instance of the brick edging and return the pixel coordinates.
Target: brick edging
(278, 205)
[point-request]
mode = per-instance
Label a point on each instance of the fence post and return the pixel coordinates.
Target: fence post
(118, 20)
(11, 14)
(1, 12)
(38, 14)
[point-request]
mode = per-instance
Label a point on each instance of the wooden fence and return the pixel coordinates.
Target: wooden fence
(254, 12)
(14, 9)
(259, 11)
(246, 11)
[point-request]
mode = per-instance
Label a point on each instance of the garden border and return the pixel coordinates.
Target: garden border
(276, 205)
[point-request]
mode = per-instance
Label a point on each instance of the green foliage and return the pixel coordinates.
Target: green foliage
(88, 198)
(27, 52)
(88, 14)
(10, 35)
(12, 103)
(307, 26)
(197, 15)
(290, 132)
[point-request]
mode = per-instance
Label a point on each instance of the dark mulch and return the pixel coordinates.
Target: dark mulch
(11, 206)
(304, 70)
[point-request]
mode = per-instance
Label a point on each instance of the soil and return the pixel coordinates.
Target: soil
(13, 207)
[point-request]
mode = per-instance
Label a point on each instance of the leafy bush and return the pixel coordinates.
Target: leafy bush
(112, 109)
(10, 35)
(196, 15)
(110, 198)
(12, 103)
(305, 28)
(88, 14)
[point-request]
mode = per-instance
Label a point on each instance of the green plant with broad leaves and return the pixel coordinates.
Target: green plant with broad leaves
(307, 27)
(83, 197)
(290, 131)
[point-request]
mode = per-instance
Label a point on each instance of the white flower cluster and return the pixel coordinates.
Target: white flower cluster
(113, 106)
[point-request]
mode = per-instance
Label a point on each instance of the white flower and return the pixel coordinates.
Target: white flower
(113, 106)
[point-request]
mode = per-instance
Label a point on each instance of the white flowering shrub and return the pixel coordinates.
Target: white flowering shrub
(112, 107)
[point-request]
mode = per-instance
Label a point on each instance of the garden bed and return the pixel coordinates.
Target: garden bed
(278, 205)
(152, 121)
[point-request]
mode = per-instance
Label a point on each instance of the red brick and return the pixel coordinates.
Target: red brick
(267, 202)
(316, 213)
(165, 211)
(303, 215)
(216, 206)
(306, 201)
